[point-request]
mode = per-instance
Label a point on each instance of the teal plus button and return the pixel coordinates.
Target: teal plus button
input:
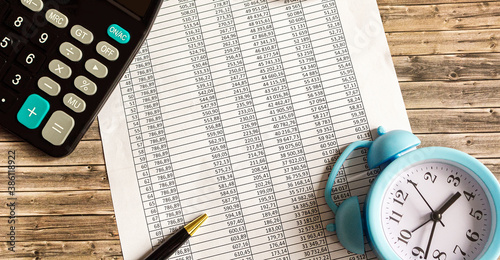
(33, 111)
(118, 34)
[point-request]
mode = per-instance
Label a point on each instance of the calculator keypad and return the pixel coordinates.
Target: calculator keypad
(58, 64)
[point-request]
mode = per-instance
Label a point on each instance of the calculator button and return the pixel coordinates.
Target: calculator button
(56, 18)
(44, 38)
(33, 111)
(85, 85)
(82, 34)
(16, 78)
(70, 51)
(9, 42)
(3, 7)
(118, 34)
(33, 5)
(31, 59)
(74, 102)
(49, 86)
(107, 50)
(60, 69)
(20, 24)
(96, 68)
(6, 100)
(58, 128)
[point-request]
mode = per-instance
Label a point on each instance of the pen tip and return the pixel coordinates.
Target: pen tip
(195, 224)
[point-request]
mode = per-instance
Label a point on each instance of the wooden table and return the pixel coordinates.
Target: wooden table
(447, 59)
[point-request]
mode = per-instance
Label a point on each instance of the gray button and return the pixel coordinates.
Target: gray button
(60, 69)
(56, 18)
(33, 5)
(58, 128)
(96, 68)
(82, 34)
(107, 50)
(74, 102)
(70, 51)
(85, 85)
(49, 86)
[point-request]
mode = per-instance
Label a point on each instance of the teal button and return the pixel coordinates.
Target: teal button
(118, 34)
(33, 111)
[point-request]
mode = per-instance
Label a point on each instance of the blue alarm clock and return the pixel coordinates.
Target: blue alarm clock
(427, 203)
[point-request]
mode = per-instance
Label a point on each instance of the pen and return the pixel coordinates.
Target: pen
(168, 247)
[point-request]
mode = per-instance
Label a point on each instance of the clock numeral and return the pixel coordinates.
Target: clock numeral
(429, 176)
(400, 195)
(477, 214)
(439, 255)
(469, 196)
(404, 236)
(454, 180)
(397, 218)
(461, 252)
(419, 252)
(472, 236)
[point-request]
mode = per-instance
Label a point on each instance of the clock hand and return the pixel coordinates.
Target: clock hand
(429, 220)
(434, 218)
(422, 196)
(449, 203)
(442, 209)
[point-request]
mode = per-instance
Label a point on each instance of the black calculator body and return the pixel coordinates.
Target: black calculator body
(60, 61)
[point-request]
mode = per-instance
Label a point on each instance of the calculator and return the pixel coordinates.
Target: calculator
(59, 62)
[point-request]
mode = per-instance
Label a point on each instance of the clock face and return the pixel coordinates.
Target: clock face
(435, 209)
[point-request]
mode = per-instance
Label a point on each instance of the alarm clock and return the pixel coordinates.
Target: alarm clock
(427, 203)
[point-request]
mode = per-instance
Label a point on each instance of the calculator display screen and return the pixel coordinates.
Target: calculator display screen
(138, 7)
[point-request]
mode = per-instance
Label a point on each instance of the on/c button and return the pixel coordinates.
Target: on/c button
(118, 34)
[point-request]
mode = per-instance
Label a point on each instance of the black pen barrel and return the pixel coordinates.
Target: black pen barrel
(170, 246)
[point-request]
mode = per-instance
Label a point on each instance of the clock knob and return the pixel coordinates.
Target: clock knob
(390, 145)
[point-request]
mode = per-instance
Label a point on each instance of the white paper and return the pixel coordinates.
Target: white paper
(238, 109)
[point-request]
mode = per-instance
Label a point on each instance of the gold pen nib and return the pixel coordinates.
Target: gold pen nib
(195, 224)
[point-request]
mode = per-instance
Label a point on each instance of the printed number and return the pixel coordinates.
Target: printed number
(472, 236)
(461, 252)
(5, 42)
(439, 255)
(429, 176)
(404, 236)
(454, 180)
(18, 22)
(30, 58)
(43, 38)
(400, 195)
(17, 80)
(469, 196)
(477, 214)
(417, 251)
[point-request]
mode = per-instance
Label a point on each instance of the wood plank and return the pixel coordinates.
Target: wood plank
(444, 42)
(451, 94)
(466, 67)
(55, 250)
(426, 2)
(481, 146)
(440, 17)
(86, 153)
(60, 178)
(62, 228)
(92, 134)
(58, 203)
(486, 120)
